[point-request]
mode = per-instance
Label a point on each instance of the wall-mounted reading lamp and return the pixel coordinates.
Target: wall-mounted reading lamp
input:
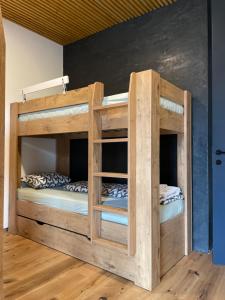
(63, 81)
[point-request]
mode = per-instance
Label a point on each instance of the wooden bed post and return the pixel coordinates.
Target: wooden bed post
(132, 166)
(14, 166)
(188, 172)
(184, 171)
(2, 139)
(96, 95)
(147, 179)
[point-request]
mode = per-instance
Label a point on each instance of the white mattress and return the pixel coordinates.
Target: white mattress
(78, 203)
(83, 108)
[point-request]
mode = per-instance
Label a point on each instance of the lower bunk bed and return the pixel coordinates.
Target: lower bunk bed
(41, 210)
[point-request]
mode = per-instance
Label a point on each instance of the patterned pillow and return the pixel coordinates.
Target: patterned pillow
(45, 180)
(79, 187)
(172, 199)
(114, 190)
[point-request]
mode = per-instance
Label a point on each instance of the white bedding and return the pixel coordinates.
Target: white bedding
(83, 108)
(78, 202)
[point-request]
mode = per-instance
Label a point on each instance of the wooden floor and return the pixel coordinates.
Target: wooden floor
(35, 272)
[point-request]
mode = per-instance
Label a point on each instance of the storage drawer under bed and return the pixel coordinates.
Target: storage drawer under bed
(69, 221)
(171, 238)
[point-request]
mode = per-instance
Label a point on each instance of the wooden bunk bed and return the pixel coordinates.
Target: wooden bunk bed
(144, 250)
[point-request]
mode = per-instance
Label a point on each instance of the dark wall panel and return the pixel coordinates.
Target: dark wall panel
(174, 42)
(114, 159)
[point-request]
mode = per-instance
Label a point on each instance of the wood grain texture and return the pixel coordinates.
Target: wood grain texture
(111, 256)
(53, 216)
(33, 271)
(67, 21)
(74, 97)
(2, 137)
(147, 185)
(132, 115)
(171, 121)
(172, 243)
(171, 92)
(188, 170)
(96, 95)
(65, 124)
(112, 120)
(13, 166)
(69, 220)
(78, 246)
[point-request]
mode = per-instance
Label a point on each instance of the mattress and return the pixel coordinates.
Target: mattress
(83, 108)
(78, 203)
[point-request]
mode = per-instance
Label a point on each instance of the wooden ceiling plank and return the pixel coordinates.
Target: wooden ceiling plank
(71, 20)
(148, 5)
(83, 7)
(125, 8)
(83, 19)
(130, 8)
(165, 2)
(30, 18)
(140, 8)
(159, 3)
(55, 27)
(41, 30)
(155, 4)
(110, 8)
(94, 6)
(26, 24)
(43, 19)
(60, 20)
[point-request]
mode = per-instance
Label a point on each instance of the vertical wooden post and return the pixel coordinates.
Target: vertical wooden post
(96, 95)
(2, 142)
(13, 167)
(147, 179)
(132, 166)
(188, 171)
(184, 171)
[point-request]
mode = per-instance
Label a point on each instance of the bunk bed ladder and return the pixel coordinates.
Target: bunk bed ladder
(95, 138)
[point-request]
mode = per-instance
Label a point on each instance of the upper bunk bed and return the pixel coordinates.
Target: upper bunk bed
(68, 112)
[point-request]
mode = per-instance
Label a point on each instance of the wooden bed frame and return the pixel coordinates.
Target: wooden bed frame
(144, 250)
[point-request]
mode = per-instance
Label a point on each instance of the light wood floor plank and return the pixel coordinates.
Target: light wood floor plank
(33, 271)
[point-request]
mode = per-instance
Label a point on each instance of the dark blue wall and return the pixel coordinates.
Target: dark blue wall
(174, 42)
(218, 125)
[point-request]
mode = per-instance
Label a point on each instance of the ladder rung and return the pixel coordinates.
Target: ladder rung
(111, 209)
(111, 175)
(117, 140)
(111, 244)
(110, 106)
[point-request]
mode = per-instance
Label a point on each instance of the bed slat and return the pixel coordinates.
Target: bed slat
(53, 216)
(111, 209)
(171, 92)
(79, 96)
(171, 121)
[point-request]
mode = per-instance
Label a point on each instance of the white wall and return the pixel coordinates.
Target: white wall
(30, 59)
(44, 152)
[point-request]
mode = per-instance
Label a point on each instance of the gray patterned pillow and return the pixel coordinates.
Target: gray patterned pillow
(114, 190)
(79, 187)
(45, 180)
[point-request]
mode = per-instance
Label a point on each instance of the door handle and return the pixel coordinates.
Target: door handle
(219, 152)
